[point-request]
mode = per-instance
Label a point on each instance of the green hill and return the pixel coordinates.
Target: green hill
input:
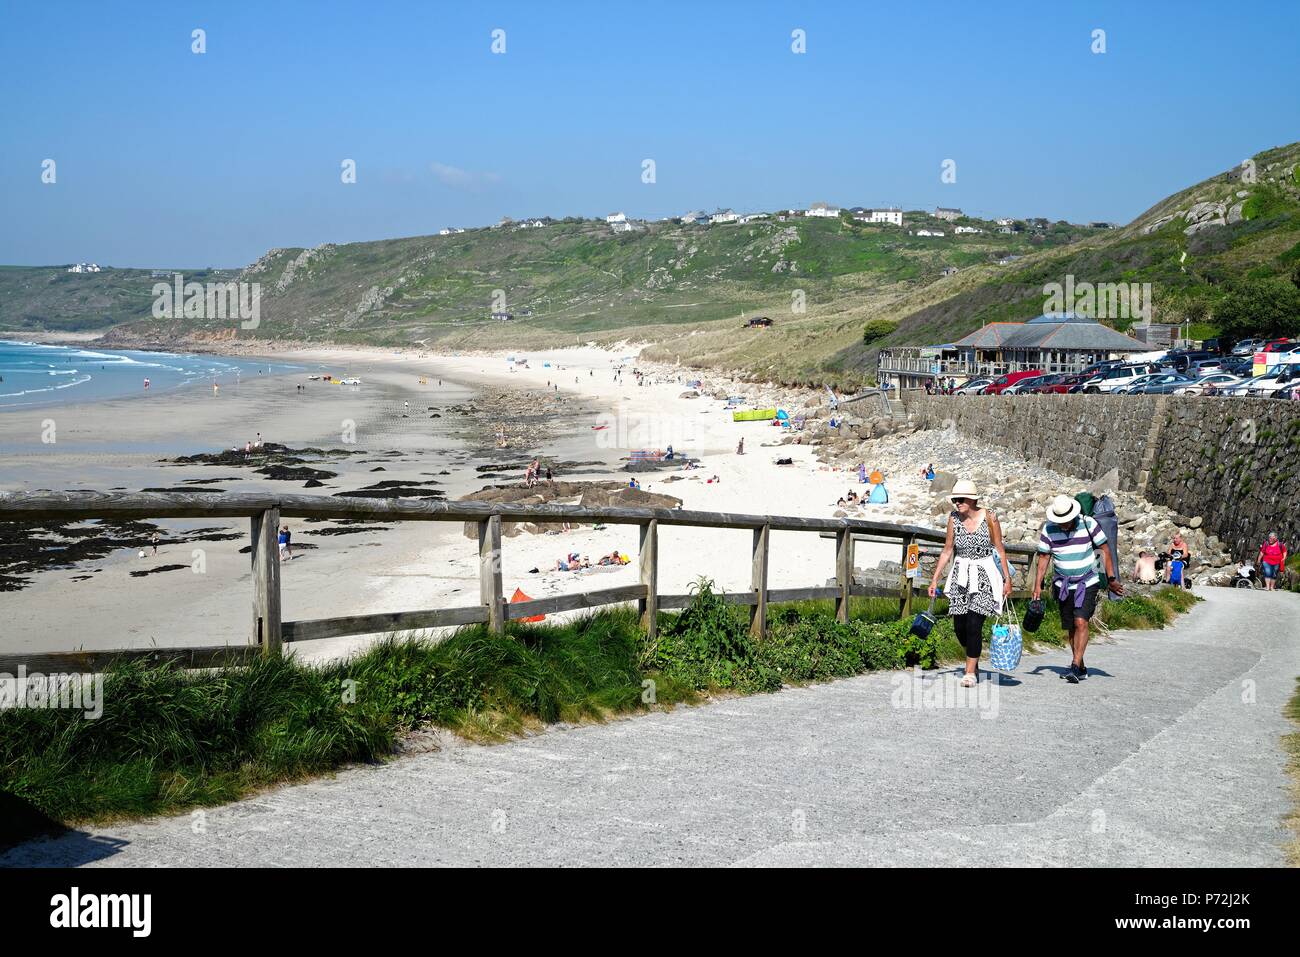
(684, 288)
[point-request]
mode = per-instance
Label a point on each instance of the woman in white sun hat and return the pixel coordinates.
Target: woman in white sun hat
(976, 585)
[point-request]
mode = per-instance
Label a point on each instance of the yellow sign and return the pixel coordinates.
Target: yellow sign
(913, 560)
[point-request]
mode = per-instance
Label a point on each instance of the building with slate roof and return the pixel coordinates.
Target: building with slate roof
(1049, 343)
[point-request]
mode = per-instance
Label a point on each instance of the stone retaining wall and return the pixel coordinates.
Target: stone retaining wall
(1235, 462)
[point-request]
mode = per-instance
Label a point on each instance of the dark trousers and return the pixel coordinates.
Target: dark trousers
(970, 632)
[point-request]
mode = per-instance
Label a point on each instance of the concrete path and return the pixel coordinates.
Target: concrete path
(1168, 755)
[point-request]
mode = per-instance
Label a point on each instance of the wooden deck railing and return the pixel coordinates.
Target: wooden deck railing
(267, 632)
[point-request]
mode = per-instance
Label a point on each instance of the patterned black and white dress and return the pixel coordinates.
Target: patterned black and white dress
(977, 594)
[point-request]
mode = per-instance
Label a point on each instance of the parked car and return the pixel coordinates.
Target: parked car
(1000, 384)
(1116, 378)
(1062, 385)
(1103, 366)
(1212, 384)
(1204, 367)
(1264, 386)
(974, 387)
(1288, 392)
(1048, 383)
(1242, 387)
(1247, 347)
(1164, 383)
(1024, 385)
(1179, 361)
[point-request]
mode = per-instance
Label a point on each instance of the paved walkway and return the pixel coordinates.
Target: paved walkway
(1167, 755)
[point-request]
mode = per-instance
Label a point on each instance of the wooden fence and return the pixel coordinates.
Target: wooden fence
(268, 633)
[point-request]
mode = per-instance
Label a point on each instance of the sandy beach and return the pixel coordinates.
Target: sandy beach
(409, 429)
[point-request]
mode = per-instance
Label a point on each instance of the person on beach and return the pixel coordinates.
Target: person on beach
(740, 446)
(283, 542)
(1073, 540)
(1272, 559)
(976, 587)
(153, 540)
(1144, 571)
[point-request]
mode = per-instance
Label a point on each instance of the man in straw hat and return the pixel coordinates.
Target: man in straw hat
(1074, 540)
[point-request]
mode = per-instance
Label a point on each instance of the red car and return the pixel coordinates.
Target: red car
(1059, 384)
(998, 385)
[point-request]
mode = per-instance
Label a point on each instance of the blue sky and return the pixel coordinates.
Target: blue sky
(168, 158)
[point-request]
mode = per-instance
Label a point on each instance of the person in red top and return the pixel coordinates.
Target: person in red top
(1272, 557)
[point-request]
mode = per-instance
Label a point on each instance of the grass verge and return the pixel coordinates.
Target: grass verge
(170, 739)
(1291, 746)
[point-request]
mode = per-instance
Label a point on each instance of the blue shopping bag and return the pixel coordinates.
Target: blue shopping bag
(1007, 644)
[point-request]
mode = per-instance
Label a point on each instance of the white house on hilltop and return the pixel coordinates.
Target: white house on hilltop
(85, 267)
(616, 218)
(823, 210)
(890, 215)
(723, 216)
(943, 212)
(928, 232)
(751, 217)
(959, 230)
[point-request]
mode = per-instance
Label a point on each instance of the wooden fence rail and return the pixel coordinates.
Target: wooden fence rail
(265, 512)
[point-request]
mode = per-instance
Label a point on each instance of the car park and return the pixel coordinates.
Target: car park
(1024, 385)
(1180, 361)
(974, 387)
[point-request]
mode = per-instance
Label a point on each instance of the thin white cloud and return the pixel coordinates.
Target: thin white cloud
(464, 179)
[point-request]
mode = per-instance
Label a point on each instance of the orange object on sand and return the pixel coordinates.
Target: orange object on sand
(875, 478)
(519, 596)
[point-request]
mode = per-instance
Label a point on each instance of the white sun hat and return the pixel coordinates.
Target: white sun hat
(1063, 510)
(964, 489)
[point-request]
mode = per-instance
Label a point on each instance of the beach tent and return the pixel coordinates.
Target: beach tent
(879, 495)
(753, 415)
(519, 596)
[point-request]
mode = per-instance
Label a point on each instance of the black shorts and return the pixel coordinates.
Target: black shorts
(1069, 612)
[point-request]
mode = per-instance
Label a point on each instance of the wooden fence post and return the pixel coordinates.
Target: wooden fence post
(648, 607)
(489, 572)
(843, 572)
(905, 585)
(758, 581)
(264, 532)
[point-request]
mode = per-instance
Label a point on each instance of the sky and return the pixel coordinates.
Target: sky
(164, 157)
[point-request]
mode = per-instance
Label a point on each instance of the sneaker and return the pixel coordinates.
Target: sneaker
(1072, 675)
(1082, 671)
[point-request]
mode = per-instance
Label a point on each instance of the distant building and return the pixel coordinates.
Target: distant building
(948, 271)
(505, 221)
(450, 230)
(943, 212)
(1006, 229)
(1101, 225)
(928, 232)
(890, 215)
(1005, 222)
(960, 230)
(824, 210)
(616, 218)
(751, 217)
(622, 227)
(723, 216)
(85, 267)
(503, 316)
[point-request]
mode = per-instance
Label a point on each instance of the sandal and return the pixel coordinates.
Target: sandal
(968, 681)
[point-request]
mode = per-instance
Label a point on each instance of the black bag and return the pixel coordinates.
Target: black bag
(924, 621)
(1033, 616)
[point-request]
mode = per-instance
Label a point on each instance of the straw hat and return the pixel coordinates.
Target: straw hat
(1063, 510)
(964, 489)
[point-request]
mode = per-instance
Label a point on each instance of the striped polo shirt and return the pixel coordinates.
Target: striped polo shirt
(1074, 553)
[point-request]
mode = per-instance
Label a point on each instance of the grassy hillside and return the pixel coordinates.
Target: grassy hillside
(684, 288)
(575, 280)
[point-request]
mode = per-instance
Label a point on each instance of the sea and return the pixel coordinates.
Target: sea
(35, 374)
